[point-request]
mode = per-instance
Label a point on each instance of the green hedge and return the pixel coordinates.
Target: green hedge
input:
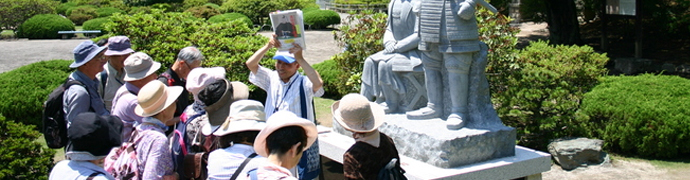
(203, 11)
(543, 88)
(330, 74)
(44, 26)
(227, 17)
(319, 19)
(108, 11)
(82, 14)
(97, 24)
(162, 35)
(62, 8)
(23, 90)
(644, 115)
(20, 156)
(258, 10)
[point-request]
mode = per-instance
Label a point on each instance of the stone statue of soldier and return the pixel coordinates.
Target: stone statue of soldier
(449, 38)
(379, 82)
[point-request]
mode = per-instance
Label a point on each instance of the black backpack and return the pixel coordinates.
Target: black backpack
(392, 171)
(54, 123)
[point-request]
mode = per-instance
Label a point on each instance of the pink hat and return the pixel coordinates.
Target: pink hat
(199, 78)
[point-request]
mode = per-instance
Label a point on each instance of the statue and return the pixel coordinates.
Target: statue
(379, 81)
(449, 39)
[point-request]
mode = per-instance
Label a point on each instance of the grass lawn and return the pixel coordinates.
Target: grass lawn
(323, 111)
(59, 153)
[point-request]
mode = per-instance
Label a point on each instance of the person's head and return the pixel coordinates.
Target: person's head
(286, 66)
(218, 96)
(89, 58)
(189, 58)
(199, 78)
(285, 137)
(140, 69)
(93, 137)
(158, 101)
(243, 124)
(119, 48)
(356, 114)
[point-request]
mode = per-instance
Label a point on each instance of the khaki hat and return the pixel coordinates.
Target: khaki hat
(245, 115)
(279, 120)
(154, 97)
(139, 65)
(355, 113)
(219, 111)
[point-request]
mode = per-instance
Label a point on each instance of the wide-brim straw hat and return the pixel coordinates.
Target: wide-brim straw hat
(245, 115)
(279, 120)
(219, 111)
(154, 97)
(355, 113)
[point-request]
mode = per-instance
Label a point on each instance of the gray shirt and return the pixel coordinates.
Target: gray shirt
(78, 99)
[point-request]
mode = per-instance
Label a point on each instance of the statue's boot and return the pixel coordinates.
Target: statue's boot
(434, 91)
(459, 91)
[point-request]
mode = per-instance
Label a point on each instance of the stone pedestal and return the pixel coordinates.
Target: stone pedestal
(431, 142)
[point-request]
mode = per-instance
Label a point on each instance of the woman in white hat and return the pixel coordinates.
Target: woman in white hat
(282, 142)
(157, 106)
(236, 141)
(372, 149)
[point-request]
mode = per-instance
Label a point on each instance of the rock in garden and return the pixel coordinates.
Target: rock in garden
(572, 153)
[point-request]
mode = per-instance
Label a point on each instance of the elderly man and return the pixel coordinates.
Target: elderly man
(140, 69)
(89, 61)
(379, 82)
(119, 48)
(189, 58)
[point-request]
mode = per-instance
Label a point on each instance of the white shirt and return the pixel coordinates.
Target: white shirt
(68, 169)
(114, 80)
(222, 163)
(269, 81)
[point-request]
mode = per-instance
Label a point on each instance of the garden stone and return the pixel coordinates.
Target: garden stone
(572, 153)
(668, 67)
(631, 65)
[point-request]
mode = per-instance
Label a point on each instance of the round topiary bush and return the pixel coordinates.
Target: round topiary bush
(203, 11)
(22, 101)
(96, 24)
(22, 157)
(644, 115)
(319, 19)
(107, 11)
(62, 8)
(227, 17)
(44, 26)
(82, 14)
(305, 10)
(330, 73)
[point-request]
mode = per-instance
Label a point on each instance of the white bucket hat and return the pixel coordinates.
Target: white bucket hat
(139, 65)
(154, 97)
(245, 115)
(279, 120)
(355, 113)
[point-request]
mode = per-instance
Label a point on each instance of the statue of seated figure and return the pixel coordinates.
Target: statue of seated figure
(380, 82)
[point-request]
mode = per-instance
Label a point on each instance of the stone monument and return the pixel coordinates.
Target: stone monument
(454, 62)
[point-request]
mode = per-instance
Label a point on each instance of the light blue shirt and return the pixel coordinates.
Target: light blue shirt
(222, 163)
(68, 169)
(78, 99)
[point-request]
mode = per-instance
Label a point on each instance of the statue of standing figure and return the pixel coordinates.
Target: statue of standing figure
(379, 82)
(449, 38)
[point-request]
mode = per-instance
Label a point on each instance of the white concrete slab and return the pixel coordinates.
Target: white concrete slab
(526, 162)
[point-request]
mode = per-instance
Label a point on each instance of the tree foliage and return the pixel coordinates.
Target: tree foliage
(149, 2)
(20, 156)
(258, 10)
(14, 12)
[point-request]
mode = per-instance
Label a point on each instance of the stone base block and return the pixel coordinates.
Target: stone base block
(431, 142)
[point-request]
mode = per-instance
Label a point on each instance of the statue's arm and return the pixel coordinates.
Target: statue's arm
(388, 38)
(411, 41)
(467, 9)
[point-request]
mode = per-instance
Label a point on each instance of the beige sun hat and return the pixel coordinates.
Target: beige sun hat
(245, 115)
(279, 120)
(219, 111)
(139, 65)
(355, 113)
(154, 97)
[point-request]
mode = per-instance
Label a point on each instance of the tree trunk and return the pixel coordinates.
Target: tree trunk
(562, 19)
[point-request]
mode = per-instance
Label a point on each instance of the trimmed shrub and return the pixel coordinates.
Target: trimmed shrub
(45, 26)
(97, 24)
(14, 12)
(305, 10)
(231, 17)
(62, 8)
(148, 2)
(329, 72)
(20, 156)
(23, 101)
(203, 11)
(644, 115)
(107, 11)
(319, 19)
(543, 87)
(69, 10)
(213, 5)
(82, 14)
(162, 35)
(163, 6)
(258, 10)
(142, 9)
